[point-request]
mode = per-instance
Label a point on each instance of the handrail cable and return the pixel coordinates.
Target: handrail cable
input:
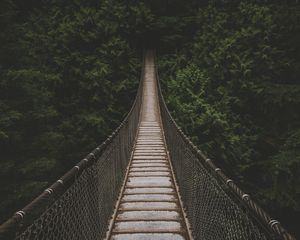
(20, 224)
(272, 226)
(80, 204)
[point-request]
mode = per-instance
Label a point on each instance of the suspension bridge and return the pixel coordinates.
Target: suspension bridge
(147, 181)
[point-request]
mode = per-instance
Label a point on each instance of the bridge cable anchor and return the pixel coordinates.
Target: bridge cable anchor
(93, 155)
(49, 190)
(77, 173)
(60, 181)
(229, 181)
(20, 213)
(273, 222)
(245, 196)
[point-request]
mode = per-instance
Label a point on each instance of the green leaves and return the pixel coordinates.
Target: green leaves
(282, 175)
(234, 89)
(74, 82)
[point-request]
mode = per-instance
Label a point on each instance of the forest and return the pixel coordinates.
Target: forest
(229, 69)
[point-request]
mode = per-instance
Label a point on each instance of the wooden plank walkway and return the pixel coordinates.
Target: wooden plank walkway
(149, 207)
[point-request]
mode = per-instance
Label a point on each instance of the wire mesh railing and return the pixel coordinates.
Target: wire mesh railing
(215, 206)
(81, 203)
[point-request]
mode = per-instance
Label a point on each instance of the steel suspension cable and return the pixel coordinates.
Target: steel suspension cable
(80, 203)
(216, 207)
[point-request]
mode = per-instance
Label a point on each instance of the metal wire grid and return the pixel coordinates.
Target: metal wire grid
(80, 204)
(216, 207)
(210, 210)
(83, 211)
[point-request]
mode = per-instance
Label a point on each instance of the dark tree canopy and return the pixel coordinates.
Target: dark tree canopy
(230, 72)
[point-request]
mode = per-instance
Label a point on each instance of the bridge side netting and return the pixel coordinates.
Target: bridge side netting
(81, 203)
(216, 208)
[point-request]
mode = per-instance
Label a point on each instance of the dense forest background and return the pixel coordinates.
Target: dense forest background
(230, 73)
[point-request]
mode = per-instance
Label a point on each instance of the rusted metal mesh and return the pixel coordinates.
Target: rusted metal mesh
(81, 203)
(216, 207)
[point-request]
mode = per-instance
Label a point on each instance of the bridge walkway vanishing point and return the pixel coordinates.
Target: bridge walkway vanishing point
(146, 181)
(149, 206)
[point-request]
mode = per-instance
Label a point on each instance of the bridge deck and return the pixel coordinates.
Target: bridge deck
(149, 206)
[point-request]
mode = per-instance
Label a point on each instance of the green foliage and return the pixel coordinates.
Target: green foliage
(71, 81)
(234, 88)
(283, 170)
(207, 116)
(69, 70)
